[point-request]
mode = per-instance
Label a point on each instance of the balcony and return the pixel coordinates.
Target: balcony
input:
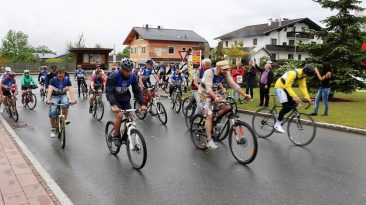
(299, 35)
(283, 48)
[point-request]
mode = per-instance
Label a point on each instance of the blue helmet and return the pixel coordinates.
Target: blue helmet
(126, 64)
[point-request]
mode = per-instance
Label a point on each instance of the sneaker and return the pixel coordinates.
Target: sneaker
(211, 144)
(53, 133)
(278, 127)
(90, 109)
(117, 141)
(313, 114)
(67, 122)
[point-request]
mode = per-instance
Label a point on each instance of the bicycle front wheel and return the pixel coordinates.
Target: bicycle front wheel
(14, 113)
(109, 135)
(62, 133)
(161, 112)
(243, 142)
(178, 103)
(198, 131)
(301, 129)
(136, 149)
(140, 115)
(262, 122)
(99, 111)
(31, 101)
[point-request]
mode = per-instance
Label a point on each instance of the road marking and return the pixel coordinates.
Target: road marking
(61, 196)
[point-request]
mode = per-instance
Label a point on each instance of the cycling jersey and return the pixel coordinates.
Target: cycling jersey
(286, 81)
(146, 73)
(80, 74)
(42, 75)
(215, 81)
(58, 87)
(7, 83)
(175, 79)
(27, 81)
(96, 80)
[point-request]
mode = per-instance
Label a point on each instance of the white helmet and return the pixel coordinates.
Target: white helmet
(7, 69)
(26, 71)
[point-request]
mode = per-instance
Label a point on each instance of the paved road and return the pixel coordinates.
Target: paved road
(331, 170)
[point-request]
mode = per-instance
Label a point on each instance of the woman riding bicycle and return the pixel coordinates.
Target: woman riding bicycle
(27, 82)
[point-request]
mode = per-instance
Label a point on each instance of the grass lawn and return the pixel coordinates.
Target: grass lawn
(345, 109)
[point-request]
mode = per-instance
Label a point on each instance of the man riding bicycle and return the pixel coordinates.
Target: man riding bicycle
(119, 96)
(26, 82)
(6, 73)
(50, 75)
(175, 80)
(8, 86)
(97, 81)
(211, 81)
(58, 87)
(286, 94)
(206, 64)
(42, 77)
(80, 76)
(145, 73)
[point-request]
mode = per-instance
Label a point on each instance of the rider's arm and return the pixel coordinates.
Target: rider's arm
(1, 87)
(156, 77)
(291, 76)
(70, 90)
(109, 89)
(303, 88)
(50, 90)
(231, 83)
(208, 76)
(39, 76)
(137, 91)
(140, 80)
(92, 82)
(22, 81)
(196, 79)
(33, 81)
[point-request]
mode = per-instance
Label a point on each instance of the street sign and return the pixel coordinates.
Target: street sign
(183, 55)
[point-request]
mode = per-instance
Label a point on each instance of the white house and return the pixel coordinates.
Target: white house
(278, 39)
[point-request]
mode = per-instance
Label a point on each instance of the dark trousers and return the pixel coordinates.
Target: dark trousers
(80, 82)
(286, 107)
(249, 90)
(263, 94)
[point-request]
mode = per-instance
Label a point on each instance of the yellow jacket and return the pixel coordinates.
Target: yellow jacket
(290, 77)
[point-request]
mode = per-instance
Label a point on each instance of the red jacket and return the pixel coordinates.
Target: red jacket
(238, 71)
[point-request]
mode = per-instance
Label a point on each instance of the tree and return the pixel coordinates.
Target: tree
(15, 47)
(125, 53)
(236, 51)
(43, 49)
(98, 45)
(342, 39)
(79, 43)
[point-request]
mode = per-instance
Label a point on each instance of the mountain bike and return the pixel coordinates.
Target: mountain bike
(29, 99)
(98, 105)
(176, 98)
(43, 91)
(11, 107)
(61, 124)
(131, 137)
(264, 119)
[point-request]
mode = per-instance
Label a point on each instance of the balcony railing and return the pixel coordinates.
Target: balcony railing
(283, 48)
(299, 35)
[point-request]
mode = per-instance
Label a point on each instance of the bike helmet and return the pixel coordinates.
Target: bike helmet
(126, 64)
(150, 62)
(12, 74)
(7, 69)
(26, 71)
(309, 69)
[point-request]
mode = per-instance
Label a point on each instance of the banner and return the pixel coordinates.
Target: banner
(196, 58)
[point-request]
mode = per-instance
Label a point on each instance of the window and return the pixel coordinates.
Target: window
(299, 57)
(226, 44)
(255, 42)
(137, 36)
(135, 51)
(291, 42)
(284, 44)
(294, 29)
(273, 41)
(171, 50)
(184, 49)
(290, 56)
(143, 50)
(285, 29)
(273, 56)
(131, 50)
(303, 29)
(313, 42)
(300, 42)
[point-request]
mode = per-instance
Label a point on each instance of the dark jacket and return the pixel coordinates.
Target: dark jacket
(250, 77)
(269, 78)
(114, 97)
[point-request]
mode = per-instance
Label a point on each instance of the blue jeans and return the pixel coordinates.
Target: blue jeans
(197, 98)
(322, 93)
(60, 99)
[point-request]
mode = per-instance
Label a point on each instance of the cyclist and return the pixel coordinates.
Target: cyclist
(58, 87)
(42, 77)
(175, 80)
(98, 67)
(50, 75)
(26, 82)
(212, 80)
(145, 73)
(286, 94)
(114, 68)
(80, 76)
(206, 64)
(97, 81)
(7, 84)
(162, 71)
(7, 71)
(119, 96)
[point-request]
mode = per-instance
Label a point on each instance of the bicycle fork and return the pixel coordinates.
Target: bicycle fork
(133, 140)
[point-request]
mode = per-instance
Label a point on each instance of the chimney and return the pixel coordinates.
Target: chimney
(270, 22)
(279, 22)
(146, 26)
(160, 27)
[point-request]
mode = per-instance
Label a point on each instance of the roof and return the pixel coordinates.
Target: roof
(164, 35)
(91, 49)
(262, 29)
(45, 55)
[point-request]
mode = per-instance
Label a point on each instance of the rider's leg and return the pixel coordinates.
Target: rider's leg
(91, 98)
(86, 87)
(79, 83)
(208, 125)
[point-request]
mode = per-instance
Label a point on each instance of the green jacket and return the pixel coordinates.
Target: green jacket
(27, 81)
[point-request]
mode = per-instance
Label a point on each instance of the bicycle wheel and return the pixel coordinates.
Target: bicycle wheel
(243, 142)
(43, 96)
(136, 149)
(224, 130)
(233, 104)
(178, 103)
(99, 110)
(297, 131)
(172, 100)
(62, 133)
(198, 131)
(140, 115)
(109, 134)
(161, 112)
(14, 112)
(31, 101)
(186, 101)
(262, 122)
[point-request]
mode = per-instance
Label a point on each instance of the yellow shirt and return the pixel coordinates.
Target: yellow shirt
(290, 77)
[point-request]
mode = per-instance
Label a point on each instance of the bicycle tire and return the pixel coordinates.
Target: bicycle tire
(161, 112)
(224, 131)
(136, 148)
(140, 115)
(178, 103)
(109, 134)
(198, 132)
(172, 100)
(14, 113)
(249, 136)
(63, 133)
(299, 123)
(33, 96)
(233, 104)
(186, 102)
(261, 125)
(100, 110)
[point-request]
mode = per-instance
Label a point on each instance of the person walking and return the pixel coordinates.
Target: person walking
(324, 89)
(265, 81)
(238, 74)
(250, 78)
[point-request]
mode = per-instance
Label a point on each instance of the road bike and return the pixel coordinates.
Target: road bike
(264, 119)
(131, 137)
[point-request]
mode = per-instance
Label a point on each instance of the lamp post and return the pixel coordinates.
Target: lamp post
(295, 44)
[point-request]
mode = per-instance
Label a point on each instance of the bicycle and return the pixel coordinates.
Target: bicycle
(189, 106)
(43, 91)
(176, 98)
(98, 105)
(84, 89)
(11, 108)
(61, 124)
(264, 119)
(132, 137)
(242, 140)
(29, 99)
(153, 104)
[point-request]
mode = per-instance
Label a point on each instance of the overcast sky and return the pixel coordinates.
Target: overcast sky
(107, 22)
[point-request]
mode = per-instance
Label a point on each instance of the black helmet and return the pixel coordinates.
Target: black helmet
(309, 69)
(126, 64)
(150, 62)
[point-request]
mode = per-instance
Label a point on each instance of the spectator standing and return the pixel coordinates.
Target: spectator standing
(324, 89)
(265, 81)
(238, 74)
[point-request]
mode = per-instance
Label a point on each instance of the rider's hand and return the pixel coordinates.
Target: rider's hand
(115, 109)
(247, 96)
(311, 101)
(48, 102)
(143, 108)
(297, 100)
(16, 93)
(218, 99)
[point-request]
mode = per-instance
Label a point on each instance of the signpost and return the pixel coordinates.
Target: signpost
(196, 58)
(183, 55)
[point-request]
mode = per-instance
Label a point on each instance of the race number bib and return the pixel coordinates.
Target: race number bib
(239, 79)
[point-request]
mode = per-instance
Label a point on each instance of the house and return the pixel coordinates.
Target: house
(162, 45)
(280, 38)
(89, 57)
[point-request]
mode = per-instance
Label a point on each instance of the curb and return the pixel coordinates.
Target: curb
(57, 191)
